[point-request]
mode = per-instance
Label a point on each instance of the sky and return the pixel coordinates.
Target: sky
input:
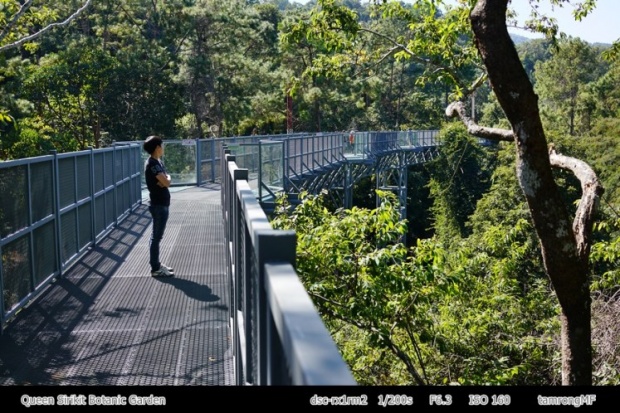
(601, 26)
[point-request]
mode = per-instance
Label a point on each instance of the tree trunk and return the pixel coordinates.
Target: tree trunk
(565, 264)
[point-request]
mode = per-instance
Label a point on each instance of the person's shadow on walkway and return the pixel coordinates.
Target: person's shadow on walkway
(192, 289)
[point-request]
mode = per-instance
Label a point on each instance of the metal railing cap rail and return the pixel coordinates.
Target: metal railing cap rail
(313, 356)
(292, 345)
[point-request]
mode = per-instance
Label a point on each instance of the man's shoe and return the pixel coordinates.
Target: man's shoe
(170, 269)
(162, 272)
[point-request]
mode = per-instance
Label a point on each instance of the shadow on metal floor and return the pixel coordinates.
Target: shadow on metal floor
(107, 322)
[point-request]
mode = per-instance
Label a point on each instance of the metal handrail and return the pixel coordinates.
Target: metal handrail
(278, 336)
(55, 207)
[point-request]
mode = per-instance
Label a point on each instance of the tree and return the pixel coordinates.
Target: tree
(19, 19)
(21, 23)
(66, 90)
(106, 78)
(449, 46)
(228, 67)
(565, 248)
(358, 273)
(560, 80)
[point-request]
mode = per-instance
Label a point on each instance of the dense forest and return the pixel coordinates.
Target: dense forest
(469, 299)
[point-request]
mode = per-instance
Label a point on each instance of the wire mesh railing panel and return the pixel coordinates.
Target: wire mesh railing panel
(66, 180)
(109, 175)
(85, 230)
(83, 165)
(98, 166)
(14, 199)
(16, 272)
(68, 230)
(48, 214)
(42, 184)
(118, 165)
(207, 162)
(180, 160)
(100, 215)
(272, 167)
(44, 243)
(123, 204)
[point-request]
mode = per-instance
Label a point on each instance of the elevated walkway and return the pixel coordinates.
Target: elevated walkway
(79, 306)
(107, 322)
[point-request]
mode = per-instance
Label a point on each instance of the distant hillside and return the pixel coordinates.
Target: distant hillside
(516, 39)
(601, 45)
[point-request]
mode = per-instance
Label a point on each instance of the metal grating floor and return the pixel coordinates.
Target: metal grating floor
(108, 322)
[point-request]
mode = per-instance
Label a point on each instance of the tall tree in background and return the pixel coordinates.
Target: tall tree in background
(21, 24)
(561, 80)
(229, 59)
(66, 89)
(108, 77)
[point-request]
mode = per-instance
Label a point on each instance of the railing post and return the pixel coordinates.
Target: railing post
(2, 313)
(93, 213)
(56, 179)
(213, 158)
(260, 171)
(115, 191)
(31, 258)
(198, 163)
(271, 246)
(242, 273)
(284, 166)
(348, 186)
(223, 172)
(230, 198)
(138, 171)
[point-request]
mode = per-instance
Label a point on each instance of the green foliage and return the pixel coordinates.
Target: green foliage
(427, 315)
(33, 139)
(16, 26)
(459, 177)
(492, 333)
(377, 66)
(229, 68)
(357, 272)
(65, 88)
(532, 52)
(605, 258)
(576, 63)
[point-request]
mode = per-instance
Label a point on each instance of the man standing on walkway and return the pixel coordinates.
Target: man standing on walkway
(157, 181)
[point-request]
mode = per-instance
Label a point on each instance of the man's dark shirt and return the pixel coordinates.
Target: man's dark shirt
(158, 195)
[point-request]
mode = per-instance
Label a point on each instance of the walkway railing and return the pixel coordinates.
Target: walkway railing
(276, 162)
(53, 208)
(278, 336)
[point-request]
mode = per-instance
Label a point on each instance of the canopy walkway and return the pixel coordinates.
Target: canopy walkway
(79, 306)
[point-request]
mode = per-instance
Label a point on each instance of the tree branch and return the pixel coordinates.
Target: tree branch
(496, 134)
(22, 9)
(591, 188)
(412, 54)
(591, 191)
(45, 29)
